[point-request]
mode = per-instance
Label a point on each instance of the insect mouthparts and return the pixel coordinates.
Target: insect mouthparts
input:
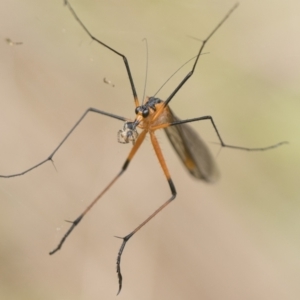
(128, 133)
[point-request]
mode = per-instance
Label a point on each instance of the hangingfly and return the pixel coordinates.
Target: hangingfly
(150, 115)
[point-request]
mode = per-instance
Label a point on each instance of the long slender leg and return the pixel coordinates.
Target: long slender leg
(136, 101)
(218, 134)
(199, 53)
(50, 157)
(173, 191)
(125, 165)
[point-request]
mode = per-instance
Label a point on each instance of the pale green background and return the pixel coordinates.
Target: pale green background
(237, 239)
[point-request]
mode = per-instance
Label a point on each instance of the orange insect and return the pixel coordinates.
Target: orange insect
(150, 115)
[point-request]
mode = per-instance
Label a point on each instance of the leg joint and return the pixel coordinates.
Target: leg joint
(173, 189)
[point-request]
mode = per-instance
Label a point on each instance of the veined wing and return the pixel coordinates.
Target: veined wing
(192, 151)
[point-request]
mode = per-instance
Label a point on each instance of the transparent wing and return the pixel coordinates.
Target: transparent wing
(192, 151)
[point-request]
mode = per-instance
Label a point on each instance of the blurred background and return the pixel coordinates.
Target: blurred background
(236, 239)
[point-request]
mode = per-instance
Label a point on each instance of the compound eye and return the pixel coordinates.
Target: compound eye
(145, 113)
(137, 109)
